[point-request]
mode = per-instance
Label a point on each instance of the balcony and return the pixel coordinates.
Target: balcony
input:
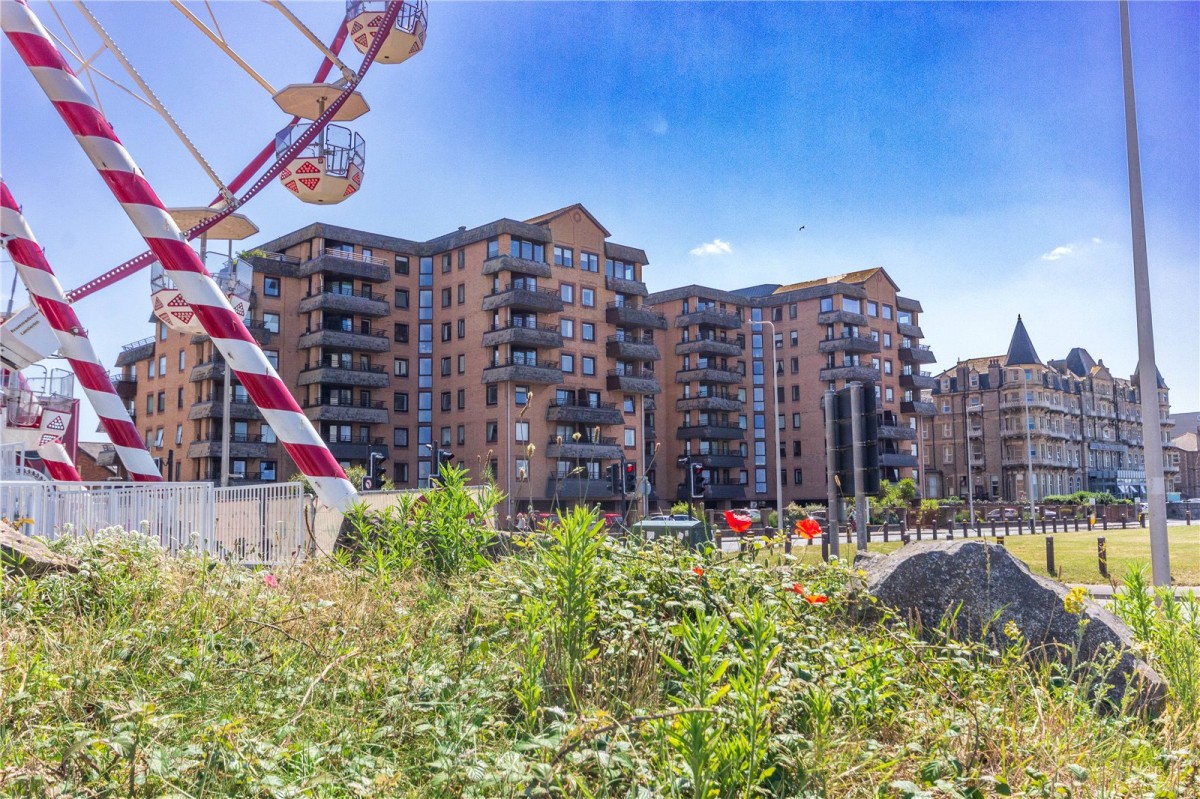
(359, 375)
(523, 335)
(918, 354)
(721, 460)
(524, 371)
(524, 299)
(239, 447)
(632, 348)
(709, 374)
(126, 387)
(725, 491)
(918, 408)
(712, 402)
(849, 373)
(137, 351)
(337, 263)
(357, 448)
(366, 340)
(709, 346)
(212, 409)
(326, 410)
(632, 315)
(633, 381)
(895, 432)
(845, 317)
(848, 344)
(212, 370)
(714, 432)
(623, 285)
(601, 413)
(710, 317)
(897, 460)
(514, 265)
(918, 380)
(579, 488)
(363, 302)
(601, 449)
(975, 432)
(107, 456)
(912, 331)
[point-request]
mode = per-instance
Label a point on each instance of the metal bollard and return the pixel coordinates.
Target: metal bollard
(787, 544)
(1142, 518)
(993, 528)
(718, 540)
(1102, 555)
(1043, 526)
(1104, 521)
(825, 546)
(1050, 556)
(885, 532)
(918, 533)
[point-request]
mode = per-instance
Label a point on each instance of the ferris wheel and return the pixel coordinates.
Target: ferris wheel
(317, 157)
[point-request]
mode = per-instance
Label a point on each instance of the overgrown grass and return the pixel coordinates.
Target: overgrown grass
(575, 667)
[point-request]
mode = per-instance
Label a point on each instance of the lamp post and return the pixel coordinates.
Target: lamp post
(775, 422)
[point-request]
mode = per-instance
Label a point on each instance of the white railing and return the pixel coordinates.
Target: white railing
(350, 255)
(250, 524)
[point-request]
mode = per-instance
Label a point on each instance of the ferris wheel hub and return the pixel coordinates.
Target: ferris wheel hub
(234, 227)
(309, 101)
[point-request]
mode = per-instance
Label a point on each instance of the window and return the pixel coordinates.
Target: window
(565, 257)
(521, 432)
(948, 454)
(401, 298)
(826, 304)
(447, 297)
(796, 449)
(797, 476)
(493, 248)
(400, 333)
(401, 265)
(567, 292)
(887, 367)
(400, 367)
(490, 394)
(462, 293)
(872, 308)
(851, 305)
(491, 432)
(627, 405)
(270, 287)
(151, 368)
(462, 399)
(888, 394)
(887, 312)
(445, 400)
(162, 332)
(795, 421)
(587, 297)
(271, 322)
(447, 331)
(630, 437)
(520, 395)
(179, 434)
(587, 331)
(795, 393)
(529, 250)
(162, 365)
(589, 261)
(462, 328)
(400, 402)
(266, 470)
(566, 362)
(162, 401)
(446, 366)
(462, 363)
(794, 365)
(447, 263)
(182, 359)
(887, 341)
(794, 339)
(522, 466)
(268, 435)
(158, 438)
(589, 365)
(179, 397)
(400, 437)
(566, 327)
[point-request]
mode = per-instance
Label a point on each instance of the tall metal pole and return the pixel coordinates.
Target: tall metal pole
(775, 425)
(970, 461)
(1029, 490)
(831, 469)
(1160, 557)
(226, 400)
(860, 488)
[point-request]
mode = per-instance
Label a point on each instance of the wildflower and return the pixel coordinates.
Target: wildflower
(816, 599)
(696, 570)
(809, 528)
(1012, 631)
(1073, 601)
(797, 589)
(271, 580)
(738, 522)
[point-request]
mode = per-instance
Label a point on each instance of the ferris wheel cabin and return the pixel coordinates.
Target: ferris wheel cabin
(365, 17)
(329, 169)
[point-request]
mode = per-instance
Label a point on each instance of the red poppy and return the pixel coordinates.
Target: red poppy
(816, 599)
(797, 589)
(696, 570)
(737, 522)
(809, 528)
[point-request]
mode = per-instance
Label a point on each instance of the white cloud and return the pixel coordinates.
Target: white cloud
(714, 247)
(1059, 252)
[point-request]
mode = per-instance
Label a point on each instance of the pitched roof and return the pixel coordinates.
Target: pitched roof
(860, 276)
(1020, 348)
(539, 220)
(1137, 380)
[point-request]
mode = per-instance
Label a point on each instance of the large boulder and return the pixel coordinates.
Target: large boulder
(987, 587)
(24, 555)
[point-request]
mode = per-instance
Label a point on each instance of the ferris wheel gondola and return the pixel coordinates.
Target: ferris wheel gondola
(329, 169)
(364, 21)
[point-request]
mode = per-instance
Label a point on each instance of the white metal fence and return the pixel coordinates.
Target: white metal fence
(252, 524)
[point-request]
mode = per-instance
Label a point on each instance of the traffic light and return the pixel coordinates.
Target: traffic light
(614, 478)
(696, 481)
(844, 441)
(444, 457)
(630, 477)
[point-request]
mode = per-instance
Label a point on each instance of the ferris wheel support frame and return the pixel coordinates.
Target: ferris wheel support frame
(137, 198)
(58, 463)
(37, 275)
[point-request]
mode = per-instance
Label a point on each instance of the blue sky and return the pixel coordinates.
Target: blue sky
(976, 151)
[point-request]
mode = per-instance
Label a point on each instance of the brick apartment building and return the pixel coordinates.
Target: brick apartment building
(533, 350)
(1071, 421)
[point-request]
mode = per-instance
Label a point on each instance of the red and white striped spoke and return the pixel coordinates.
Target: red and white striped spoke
(127, 183)
(58, 463)
(76, 347)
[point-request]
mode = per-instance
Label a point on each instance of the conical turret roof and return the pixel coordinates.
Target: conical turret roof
(1020, 349)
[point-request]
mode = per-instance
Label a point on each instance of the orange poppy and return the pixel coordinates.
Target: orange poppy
(737, 522)
(816, 599)
(696, 570)
(809, 528)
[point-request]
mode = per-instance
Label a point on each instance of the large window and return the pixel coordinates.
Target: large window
(564, 256)
(587, 297)
(270, 287)
(589, 261)
(271, 322)
(529, 250)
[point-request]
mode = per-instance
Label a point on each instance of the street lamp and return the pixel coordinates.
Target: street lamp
(775, 422)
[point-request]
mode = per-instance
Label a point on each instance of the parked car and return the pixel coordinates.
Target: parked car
(1002, 514)
(1048, 513)
(754, 514)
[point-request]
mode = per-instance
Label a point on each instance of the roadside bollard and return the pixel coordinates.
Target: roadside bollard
(1142, 518)
(825, 546)
(787, 544)
(1102, 555)
(1050, 556)
(904, 538)
(918, 534)
(718, 539)
(993, 528)
(1006, 527)
(885, 532)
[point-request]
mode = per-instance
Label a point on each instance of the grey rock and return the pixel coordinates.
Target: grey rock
(928, 582)
(29, 556)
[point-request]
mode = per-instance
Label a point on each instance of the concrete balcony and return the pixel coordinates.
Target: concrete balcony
(370, 341)
(362, 302)
(725, 491)
(631, 315)
(517, 266)
(918, 354)
(213, 370)
(849, 373)
(604, 413)
(633, 382)
(918, 408)
(848, 344)
(523, 372)
(126, 387)
(137, 351)
(239, 447)
(107, 456)
(578, 488)
(543, 336)
(892, 432)
(709, 374)
(845, 317)
(212, 409)
(631, 348)
(921, 380)
(524, 299)
(624, 286)
(358, 448)
(912, 331)
(709, 346)
(358, 376)
(716, 432)
(336, 263)
(369, 413)
(710, 403)
(721, 460)
(710, 317)
(603, 449)
(897, 460)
